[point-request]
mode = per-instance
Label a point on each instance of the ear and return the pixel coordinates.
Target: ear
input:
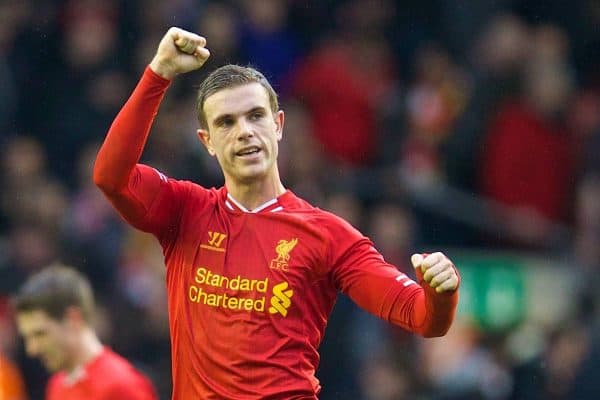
(279, 119)
(205, 139)
(73, 316)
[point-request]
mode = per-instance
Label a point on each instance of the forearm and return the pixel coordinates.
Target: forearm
(128, 134)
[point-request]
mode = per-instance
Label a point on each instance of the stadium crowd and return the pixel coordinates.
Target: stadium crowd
(424, 123)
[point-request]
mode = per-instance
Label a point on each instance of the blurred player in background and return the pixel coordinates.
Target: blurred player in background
(54, 311)
(253, 271)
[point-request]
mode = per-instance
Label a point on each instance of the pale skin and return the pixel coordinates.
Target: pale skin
(243, 134)
(61, 345)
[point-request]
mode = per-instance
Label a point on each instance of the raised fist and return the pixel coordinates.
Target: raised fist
(179, 51)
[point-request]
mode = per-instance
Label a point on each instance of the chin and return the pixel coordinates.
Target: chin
(251, 175)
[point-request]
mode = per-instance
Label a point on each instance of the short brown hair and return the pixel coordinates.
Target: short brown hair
(53, 290)
(229, 76)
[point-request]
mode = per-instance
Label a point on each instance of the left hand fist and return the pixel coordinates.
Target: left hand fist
(437, 270)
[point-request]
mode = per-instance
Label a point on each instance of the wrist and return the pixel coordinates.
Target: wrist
(162, 69)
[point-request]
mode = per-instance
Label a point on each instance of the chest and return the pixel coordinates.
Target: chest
(255, 245)
(235, 261)
(84, 388)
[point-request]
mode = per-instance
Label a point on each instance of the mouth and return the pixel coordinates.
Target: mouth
(248, 152)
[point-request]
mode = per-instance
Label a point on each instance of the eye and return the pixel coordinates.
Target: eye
(224, 123)
(256, 115)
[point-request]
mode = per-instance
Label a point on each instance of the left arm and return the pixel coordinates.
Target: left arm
(426, 307)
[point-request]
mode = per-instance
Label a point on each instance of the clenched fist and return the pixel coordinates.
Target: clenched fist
(179, 51)
(437, 270)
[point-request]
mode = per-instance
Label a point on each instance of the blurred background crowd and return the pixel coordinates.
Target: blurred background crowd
(467, 126)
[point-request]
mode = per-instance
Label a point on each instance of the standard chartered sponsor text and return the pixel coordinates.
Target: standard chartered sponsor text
(206, 279)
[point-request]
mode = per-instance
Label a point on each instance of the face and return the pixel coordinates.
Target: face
(45, 338)
(243, 133)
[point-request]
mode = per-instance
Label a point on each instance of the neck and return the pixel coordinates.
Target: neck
(254, 194)
(87, 348)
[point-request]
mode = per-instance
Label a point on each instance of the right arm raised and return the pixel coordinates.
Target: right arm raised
(115, 168)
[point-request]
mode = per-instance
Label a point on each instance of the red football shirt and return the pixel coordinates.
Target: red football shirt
(250, 292)
(107, 377)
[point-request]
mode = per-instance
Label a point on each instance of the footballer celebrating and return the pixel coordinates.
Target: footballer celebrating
(253, 271)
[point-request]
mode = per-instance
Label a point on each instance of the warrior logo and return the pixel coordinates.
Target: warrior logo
(215, 241)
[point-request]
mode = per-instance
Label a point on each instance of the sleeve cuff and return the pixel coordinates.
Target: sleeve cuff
(155, 78)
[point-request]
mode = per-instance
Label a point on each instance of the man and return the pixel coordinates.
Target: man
(54, 310)
(252, 270)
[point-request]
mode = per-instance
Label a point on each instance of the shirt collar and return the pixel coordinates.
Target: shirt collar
(273, 205)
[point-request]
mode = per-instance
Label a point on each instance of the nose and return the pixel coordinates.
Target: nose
(245, 129)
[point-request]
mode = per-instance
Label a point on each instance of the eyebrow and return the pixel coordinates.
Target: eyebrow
(218, 120)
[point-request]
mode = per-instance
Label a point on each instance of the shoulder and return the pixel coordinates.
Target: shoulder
(331, 225)
(146, 172)
(333, 222)
(188, 191)
(55, 383)
(112, 367)
(109, 360)
(120, 377)
(56, 379)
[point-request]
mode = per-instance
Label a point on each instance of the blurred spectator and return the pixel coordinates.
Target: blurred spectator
(385, 378)
(459, 367)
(28, 42)
(345, 82)
(219, 22)
(29, 247)
(302, 159)
(433, 103)
(32, 226)
(265, 32)
(496, 60)
(461, 25)
(584, 121)
(586, 40)
(347, 206)
(528, 158)
(391, 228)
(93, 78)
(568, 347)
(587, 237)
(92, 232)
(141, 296)
(10, 18)
(586, 385)
(23, 168)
